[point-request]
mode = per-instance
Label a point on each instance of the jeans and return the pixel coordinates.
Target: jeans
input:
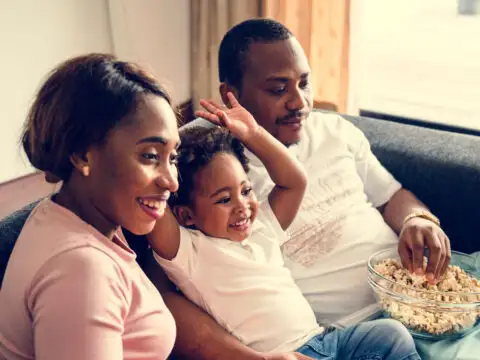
(383, 339)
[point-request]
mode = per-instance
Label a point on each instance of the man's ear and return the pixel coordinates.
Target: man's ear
(225, 89)
(184, 215)
(82, 162)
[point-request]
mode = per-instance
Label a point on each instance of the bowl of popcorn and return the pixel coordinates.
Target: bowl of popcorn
(448, 309)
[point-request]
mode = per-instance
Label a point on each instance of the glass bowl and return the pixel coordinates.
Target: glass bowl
(428, 314)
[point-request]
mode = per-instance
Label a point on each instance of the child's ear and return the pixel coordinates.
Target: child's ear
(184, 215)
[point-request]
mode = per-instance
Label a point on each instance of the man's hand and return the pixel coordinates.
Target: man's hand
(418, 234)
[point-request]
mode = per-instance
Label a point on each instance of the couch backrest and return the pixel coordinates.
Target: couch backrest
(440, 167)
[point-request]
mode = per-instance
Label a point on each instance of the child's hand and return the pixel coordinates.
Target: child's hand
(236, 119)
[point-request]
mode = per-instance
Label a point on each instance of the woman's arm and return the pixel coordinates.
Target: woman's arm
(199, 336)
(286, 172)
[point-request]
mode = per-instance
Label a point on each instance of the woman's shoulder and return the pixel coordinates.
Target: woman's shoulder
(55, 240)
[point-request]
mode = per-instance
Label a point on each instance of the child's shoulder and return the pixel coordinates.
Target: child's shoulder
(266, 224)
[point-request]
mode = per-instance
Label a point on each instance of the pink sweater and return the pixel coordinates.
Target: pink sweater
(70, 293)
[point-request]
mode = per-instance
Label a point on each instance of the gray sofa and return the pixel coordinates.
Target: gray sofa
(442, 168)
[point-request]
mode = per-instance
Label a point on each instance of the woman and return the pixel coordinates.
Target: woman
(72, 288)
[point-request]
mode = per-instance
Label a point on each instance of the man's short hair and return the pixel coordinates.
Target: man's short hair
(234, 46)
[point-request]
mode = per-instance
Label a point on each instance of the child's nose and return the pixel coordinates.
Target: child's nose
(242, 206)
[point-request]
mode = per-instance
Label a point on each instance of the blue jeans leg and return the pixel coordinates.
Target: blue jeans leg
(383, 339)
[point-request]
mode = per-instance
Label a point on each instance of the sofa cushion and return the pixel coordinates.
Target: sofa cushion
(10, 228)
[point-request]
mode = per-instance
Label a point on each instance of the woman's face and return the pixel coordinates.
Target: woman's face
(133, 173)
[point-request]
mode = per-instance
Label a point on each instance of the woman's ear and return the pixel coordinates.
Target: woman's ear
(82, 163)
(224, 90)
(184, 215)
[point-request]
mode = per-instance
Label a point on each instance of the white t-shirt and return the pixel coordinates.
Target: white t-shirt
(245, 286)
(338, 226)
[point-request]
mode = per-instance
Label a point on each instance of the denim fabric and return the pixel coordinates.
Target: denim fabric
(383, 339)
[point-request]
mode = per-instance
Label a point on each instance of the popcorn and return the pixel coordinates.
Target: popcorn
(422, 310)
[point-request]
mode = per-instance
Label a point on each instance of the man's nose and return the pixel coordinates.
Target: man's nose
(296, 101)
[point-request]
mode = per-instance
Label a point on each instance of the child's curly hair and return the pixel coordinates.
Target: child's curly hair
(199, 145)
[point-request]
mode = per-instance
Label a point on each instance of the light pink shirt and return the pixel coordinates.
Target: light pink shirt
(70, 293)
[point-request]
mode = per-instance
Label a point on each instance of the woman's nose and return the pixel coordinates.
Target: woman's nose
(168, 179)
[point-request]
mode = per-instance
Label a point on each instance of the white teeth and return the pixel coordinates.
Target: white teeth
(240, 223)
(154, 204)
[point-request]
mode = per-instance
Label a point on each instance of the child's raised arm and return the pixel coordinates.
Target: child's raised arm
(286, 172)
(165, 237)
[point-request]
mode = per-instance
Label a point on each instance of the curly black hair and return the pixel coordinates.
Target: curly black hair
(199, 145)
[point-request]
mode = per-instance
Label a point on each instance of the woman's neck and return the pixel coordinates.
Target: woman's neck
(80, 204)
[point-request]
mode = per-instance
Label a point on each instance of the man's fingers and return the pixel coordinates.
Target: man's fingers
(405, 254)
(418, 249)
(436, 254)
(448, 255)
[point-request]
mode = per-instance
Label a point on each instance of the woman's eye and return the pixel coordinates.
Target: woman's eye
(223, 201)
(150, 156)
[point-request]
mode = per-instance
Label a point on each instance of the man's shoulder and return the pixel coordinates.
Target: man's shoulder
(328, 123)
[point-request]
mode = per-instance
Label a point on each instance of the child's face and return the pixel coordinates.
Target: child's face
(224, 205)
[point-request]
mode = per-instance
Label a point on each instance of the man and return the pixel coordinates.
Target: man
(352, 208)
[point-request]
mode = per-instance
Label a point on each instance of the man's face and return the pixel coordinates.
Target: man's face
(276, 88)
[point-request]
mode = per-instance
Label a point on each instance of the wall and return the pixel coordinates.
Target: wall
(417, 59)
(157, 33)
(36, 35)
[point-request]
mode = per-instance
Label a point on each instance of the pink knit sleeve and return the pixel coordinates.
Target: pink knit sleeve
(78, 303)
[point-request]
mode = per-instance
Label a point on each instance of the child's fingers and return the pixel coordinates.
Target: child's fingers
(232, 99)
(215, 104)
(211, 105)
(208, 116)
(224, 119)
(208, 106)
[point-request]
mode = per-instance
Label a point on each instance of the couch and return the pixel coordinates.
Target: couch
(442, 168)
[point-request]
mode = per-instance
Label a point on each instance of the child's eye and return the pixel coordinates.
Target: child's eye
(304, 84)
(247, 191)
(224, 200)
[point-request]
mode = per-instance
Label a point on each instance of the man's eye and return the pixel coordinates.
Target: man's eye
(277, 91)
